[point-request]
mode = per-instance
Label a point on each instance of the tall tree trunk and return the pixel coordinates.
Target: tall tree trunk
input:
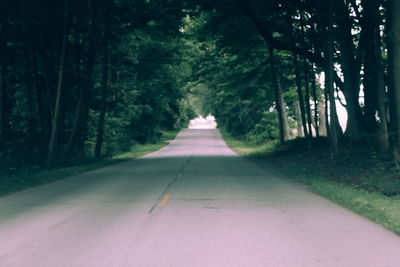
(329, 87)
(394, 60)
(316, 106)
(299, 123)
(326, 109)
(382, 110)
(40, 101)
(307, 96)
(104, 81)
(79, 130)
(29, 86)
(50, 98)
(374, 72)
(3, 76)
(279, 102)
(3, 124)
(392, 103)
(300, 97)
(306, 75)
(351, 71)
(369, 26)
(53, 144)
(322, 119)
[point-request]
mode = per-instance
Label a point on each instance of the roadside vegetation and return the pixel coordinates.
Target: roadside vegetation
(361, 181)
(30, 176)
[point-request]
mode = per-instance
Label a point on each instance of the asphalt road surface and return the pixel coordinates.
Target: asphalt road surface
(193, 203)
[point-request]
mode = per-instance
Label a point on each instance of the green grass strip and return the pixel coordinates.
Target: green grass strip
(29, 177)
(372, 205)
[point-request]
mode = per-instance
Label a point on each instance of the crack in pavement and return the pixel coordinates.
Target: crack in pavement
(171, 183)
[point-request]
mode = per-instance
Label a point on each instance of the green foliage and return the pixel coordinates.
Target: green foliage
(230, 76)
(265, 130)
(149, 66)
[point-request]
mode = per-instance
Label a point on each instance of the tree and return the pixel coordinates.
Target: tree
(394, 59)
(104, 81)
(53, 145)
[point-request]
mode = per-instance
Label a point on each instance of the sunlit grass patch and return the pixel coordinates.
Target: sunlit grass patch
(246, 149)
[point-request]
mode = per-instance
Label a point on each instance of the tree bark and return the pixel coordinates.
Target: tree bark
(394, 59)
(326, 109)
(307, 96)
(53, 144)
(369, 25)
(3, 77)
(104, 81)
(351, 72)
(316, 106)
(300, 96)
(279, 102)
(299, 123)
(3, 124)
(29, 87)
(79, 130)
(374, 85)
(40, 101)
(322, 119)
(329, 87)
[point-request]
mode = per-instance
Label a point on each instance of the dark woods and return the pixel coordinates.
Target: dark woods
(83, 79)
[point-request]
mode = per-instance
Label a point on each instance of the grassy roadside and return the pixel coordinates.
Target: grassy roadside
(371, 204)
(31, 177)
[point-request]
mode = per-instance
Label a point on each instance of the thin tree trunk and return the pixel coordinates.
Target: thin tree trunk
(369, 26)
(391, 103)
(299, 123)
(383, 123)
(104, 82)
(300, 97)
(329, 87)
(316, 107)
(394, 61)
(44, 125)
(3, 74)
(326, 110)
(322, 118)
(306, 77)
(279, 102)
(52, 150)
(50, 99)
(3, 77)
(374, 69)
(29, 86)
(79, 131)
(307, 97)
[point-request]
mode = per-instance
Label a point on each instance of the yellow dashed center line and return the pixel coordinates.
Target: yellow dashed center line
(165, 199)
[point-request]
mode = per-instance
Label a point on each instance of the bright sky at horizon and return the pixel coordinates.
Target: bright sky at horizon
(203, 123)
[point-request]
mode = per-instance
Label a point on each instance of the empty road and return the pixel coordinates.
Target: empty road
(193, 203)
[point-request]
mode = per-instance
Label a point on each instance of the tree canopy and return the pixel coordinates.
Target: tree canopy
(81, 79)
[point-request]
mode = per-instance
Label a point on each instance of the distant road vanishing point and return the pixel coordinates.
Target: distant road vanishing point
(193, 203)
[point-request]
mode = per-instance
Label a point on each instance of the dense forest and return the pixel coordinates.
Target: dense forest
(84, 79)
